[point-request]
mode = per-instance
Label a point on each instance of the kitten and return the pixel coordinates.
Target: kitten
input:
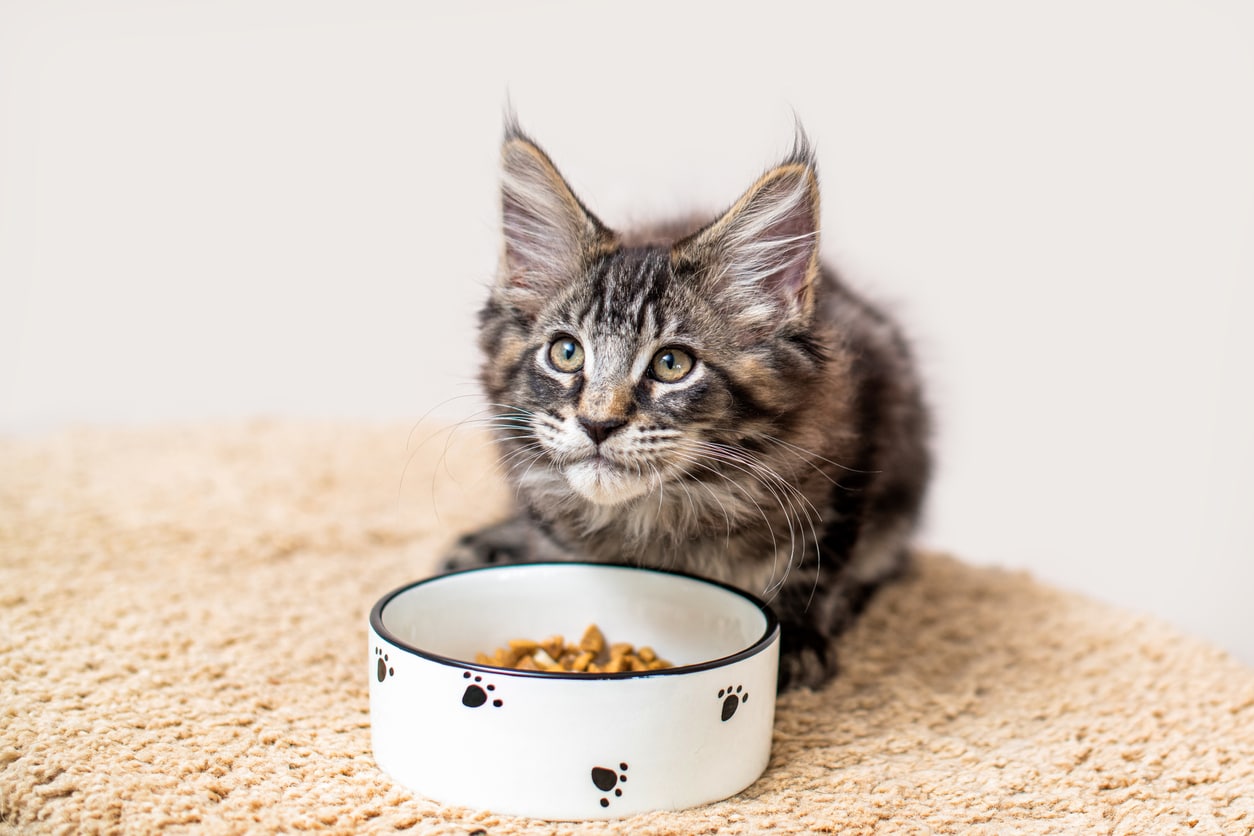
(714, 402)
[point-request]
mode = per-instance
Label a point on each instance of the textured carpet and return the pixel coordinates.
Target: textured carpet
(182, 648)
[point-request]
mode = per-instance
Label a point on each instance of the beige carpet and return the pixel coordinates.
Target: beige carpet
(182, 648)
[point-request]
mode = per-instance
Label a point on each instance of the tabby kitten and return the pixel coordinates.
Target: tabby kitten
(712, 401)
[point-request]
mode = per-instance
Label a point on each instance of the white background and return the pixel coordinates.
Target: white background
(221, 210)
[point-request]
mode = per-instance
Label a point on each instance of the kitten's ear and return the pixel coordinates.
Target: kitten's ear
(549, 235)
(762, 255)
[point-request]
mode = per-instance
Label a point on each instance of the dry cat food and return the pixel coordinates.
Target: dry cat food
(591, 655)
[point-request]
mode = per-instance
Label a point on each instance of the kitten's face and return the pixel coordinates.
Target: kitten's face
(626, 371)
(625, 377)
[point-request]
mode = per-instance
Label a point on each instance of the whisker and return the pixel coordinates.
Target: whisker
(797, 450)
(505, 422)
(795, 497)
(695, 458)
(692, 502)
(768, 480)
(428, 413)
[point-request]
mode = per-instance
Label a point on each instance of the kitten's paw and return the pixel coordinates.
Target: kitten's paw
(806, 660)
(469, 553)
(492, 546)
(804, 669)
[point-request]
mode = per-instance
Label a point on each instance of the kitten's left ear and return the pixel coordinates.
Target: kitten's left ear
(762, 255)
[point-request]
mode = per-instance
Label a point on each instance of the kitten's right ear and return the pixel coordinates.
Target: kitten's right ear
(549, 235)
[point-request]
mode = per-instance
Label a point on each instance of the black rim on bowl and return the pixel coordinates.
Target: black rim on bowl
(764, 641)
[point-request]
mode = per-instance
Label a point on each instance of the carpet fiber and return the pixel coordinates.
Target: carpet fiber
(183, 640)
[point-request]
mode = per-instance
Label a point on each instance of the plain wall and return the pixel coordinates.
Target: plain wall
(213, 211)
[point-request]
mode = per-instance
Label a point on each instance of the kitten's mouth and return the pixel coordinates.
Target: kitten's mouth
(605, 482)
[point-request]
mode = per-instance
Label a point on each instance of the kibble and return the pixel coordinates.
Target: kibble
(591, 654)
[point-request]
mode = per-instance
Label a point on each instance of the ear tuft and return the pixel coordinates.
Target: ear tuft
(762, 254)
(549, 235)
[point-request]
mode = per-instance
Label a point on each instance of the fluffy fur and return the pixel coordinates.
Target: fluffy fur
(715, 402)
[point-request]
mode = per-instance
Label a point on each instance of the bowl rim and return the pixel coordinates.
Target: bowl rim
(769, 633)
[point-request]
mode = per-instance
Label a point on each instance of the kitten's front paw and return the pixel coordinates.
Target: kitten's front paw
(803, 670)
(487, 547)
(806, 659)
(469, 553)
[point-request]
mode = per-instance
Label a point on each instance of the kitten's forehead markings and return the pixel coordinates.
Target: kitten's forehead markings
(607, 391)
(622, 287)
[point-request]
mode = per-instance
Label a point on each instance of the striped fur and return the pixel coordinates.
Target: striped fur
(791, 460)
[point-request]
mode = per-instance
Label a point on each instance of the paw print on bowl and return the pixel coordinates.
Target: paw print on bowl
(606, 779)
(476, 693)
(732, 700)
(382, 669)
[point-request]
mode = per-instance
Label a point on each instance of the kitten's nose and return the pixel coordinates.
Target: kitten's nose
(598, 431)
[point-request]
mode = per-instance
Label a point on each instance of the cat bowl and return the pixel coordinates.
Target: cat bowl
(572, 746)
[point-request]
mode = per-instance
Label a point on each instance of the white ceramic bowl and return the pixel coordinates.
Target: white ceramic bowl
(572, 746)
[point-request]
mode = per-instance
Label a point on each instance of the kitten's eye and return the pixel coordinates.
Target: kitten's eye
(566, 354)
(671, 365)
